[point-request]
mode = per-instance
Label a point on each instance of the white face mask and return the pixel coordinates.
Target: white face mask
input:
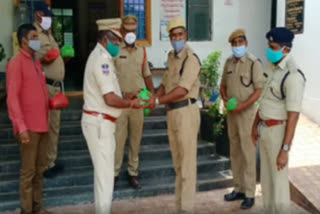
(34, 44)
(46, 22)
(130, 38)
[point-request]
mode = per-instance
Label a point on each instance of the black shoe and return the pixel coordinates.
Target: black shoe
(247, 203)
(134, 182)
(234, 196)
(54, 171)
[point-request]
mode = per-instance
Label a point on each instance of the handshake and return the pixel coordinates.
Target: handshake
(141, 99)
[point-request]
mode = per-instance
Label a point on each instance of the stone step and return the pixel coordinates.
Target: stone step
(82, 174)
(148, 136)
(67, 143)
(151, 187)
(150, 122)
(147, 152)
(74, 127)
(75, 115)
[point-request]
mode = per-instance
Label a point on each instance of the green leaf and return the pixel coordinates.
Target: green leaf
(209, 74)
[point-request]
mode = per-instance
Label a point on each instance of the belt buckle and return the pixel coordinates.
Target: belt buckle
(100, 116)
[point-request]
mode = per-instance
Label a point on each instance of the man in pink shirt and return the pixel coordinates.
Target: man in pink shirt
(28, 108)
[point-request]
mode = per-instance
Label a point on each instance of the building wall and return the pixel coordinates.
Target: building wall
(7, 24)
(306, 55)
(253, 15)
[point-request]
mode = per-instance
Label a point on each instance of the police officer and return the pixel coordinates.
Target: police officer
(243, 79)
(102, 106)
(54, 71)
(179, 89)
(133, 72)
(277, 118)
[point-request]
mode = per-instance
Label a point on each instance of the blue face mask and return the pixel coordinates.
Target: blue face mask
(177, 45)
(112, 49)
(274, 56)
(34, 44)
(239, 51)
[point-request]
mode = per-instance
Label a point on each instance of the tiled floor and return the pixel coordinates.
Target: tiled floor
(304, 163)
(206, 203)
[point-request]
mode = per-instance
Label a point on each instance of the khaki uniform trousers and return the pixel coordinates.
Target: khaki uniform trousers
(33, 164)
(242, 151)
(54, 129)
(274, 183)
(99, 134)
(130, 121)
(183, 128)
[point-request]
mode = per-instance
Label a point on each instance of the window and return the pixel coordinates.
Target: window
(141, 9)
(199, 22)
(62, 25)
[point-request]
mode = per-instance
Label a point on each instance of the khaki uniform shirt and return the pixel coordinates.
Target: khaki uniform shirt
(243, 77)
(55, 70)
(272, 106)
(190, 76)
(99, 79)
(129, 68)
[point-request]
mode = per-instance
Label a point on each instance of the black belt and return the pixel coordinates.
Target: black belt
(180, 104)
(53, 82)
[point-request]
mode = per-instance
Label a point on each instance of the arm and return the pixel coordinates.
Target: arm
(254, 133)
(147, 73)
(46, 61)
(14, 84)
(223, 84)
(294, 86)
(290, 127)
(251, 100)
(282, 159)
(45, 47)
(149, 84)
(172, 96)
(113, 100)
(223, 93)
(176, 94)
(160, 91)
(105, 81)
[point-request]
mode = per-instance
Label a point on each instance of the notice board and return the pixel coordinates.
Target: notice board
(295, 15)
(168, 10)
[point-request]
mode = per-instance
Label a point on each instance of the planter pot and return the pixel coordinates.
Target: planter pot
(206, 132)
(222, 143)
(207, 121)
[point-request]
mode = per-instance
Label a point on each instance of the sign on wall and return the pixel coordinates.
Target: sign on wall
(168, 10)
(295, 15)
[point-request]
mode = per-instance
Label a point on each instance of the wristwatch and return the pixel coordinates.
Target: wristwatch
(285, 148)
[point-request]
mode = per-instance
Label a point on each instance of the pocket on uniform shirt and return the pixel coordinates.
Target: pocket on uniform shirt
(245, 79)
(274, 91)
(230, 75)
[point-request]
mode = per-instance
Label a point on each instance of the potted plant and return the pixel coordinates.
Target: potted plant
(209, 77)
(213, 118)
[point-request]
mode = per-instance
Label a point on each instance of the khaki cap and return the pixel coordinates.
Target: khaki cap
(236, 33)
(129, 22)
(110, 24)
(175, 22)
